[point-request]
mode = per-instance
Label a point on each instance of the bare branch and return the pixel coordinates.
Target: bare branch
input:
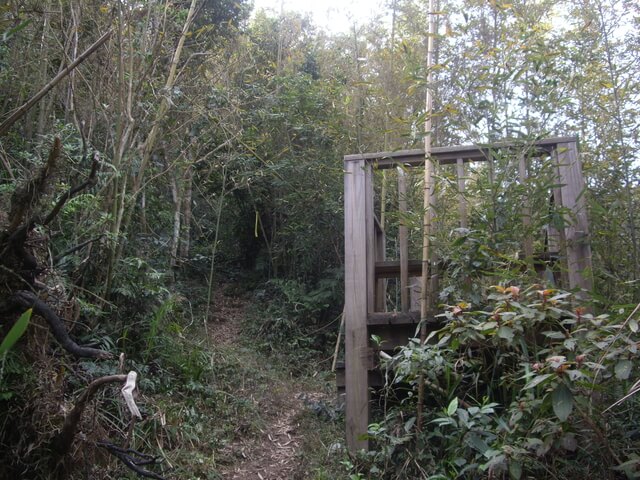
(19, 113)
(27, 299)
(133, 459)
(61, 443)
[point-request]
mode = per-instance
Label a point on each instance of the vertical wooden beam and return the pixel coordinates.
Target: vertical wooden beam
(527, 242)
(576, 227)
(356, 281)
(462, 200)
(414, 294)
(370, 225)
(561, 243)
(403, 240)
(381, 256)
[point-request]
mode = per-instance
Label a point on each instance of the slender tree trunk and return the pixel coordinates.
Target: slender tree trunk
(425, 297)
(185, 235)
(617, 115)
(214, 247)
(42, 111)
(176, 195)
(149, 146)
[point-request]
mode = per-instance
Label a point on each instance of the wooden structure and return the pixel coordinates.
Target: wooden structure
(366, 266)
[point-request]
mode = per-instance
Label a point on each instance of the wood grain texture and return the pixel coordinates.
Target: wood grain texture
(450, 155)
(403, 240)
(356, 351)
(576, 230)
(462, 200)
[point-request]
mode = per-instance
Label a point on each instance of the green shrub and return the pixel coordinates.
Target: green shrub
(519, 388)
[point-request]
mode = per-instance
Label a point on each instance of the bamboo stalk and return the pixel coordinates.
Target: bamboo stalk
(429, 167)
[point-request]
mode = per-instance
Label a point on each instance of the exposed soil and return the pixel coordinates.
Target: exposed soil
(272, 454)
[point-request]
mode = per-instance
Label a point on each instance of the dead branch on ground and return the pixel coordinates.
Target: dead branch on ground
(133, 459)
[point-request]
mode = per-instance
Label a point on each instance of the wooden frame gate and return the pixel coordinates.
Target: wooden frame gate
(365, 264)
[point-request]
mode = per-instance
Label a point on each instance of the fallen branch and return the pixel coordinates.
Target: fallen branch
(61, 443)
(27, 197)
(26, 299)
(133, 459)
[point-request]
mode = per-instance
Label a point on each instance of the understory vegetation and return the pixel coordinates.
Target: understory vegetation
(528, 385)
(171, 204)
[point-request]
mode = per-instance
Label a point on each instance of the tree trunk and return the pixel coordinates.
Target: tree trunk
(185, 236)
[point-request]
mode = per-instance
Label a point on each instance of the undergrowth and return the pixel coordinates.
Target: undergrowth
(523, 386)
(297, 323)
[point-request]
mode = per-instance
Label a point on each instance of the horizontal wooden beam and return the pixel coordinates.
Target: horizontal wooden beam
(450, 155)
(391, 268)
(393, 318)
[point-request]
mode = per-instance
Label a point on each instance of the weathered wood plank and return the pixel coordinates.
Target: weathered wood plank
(391, 268)
(450, 155)
(381, 283)
(403, 240)
(527, 243)
(576, 230)
(561, 243)
(370, 219)
(393, 318)
(356, 342)
(462, 199)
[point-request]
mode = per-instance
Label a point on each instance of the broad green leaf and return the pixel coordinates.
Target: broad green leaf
(16, 332)
(537, 380)
(506, 333)
(554, 335)
(570, 344)
(515, 470)
(623, 369)
(562, 402)
(453, 406)
(475, 441)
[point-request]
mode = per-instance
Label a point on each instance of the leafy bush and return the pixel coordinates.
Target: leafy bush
(519, 388)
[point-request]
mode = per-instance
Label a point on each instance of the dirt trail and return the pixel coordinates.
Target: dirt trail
(272, 454)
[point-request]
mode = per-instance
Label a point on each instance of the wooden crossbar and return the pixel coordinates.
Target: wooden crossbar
(450, 155)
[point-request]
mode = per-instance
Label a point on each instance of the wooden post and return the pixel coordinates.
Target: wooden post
(381, 256)
(576, 226)
(527, 242)
(462, 200)
(561, 238)
(356, 282)
(403, 240)
(370, 218)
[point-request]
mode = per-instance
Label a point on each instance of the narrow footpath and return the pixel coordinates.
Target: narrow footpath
(274, 449)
